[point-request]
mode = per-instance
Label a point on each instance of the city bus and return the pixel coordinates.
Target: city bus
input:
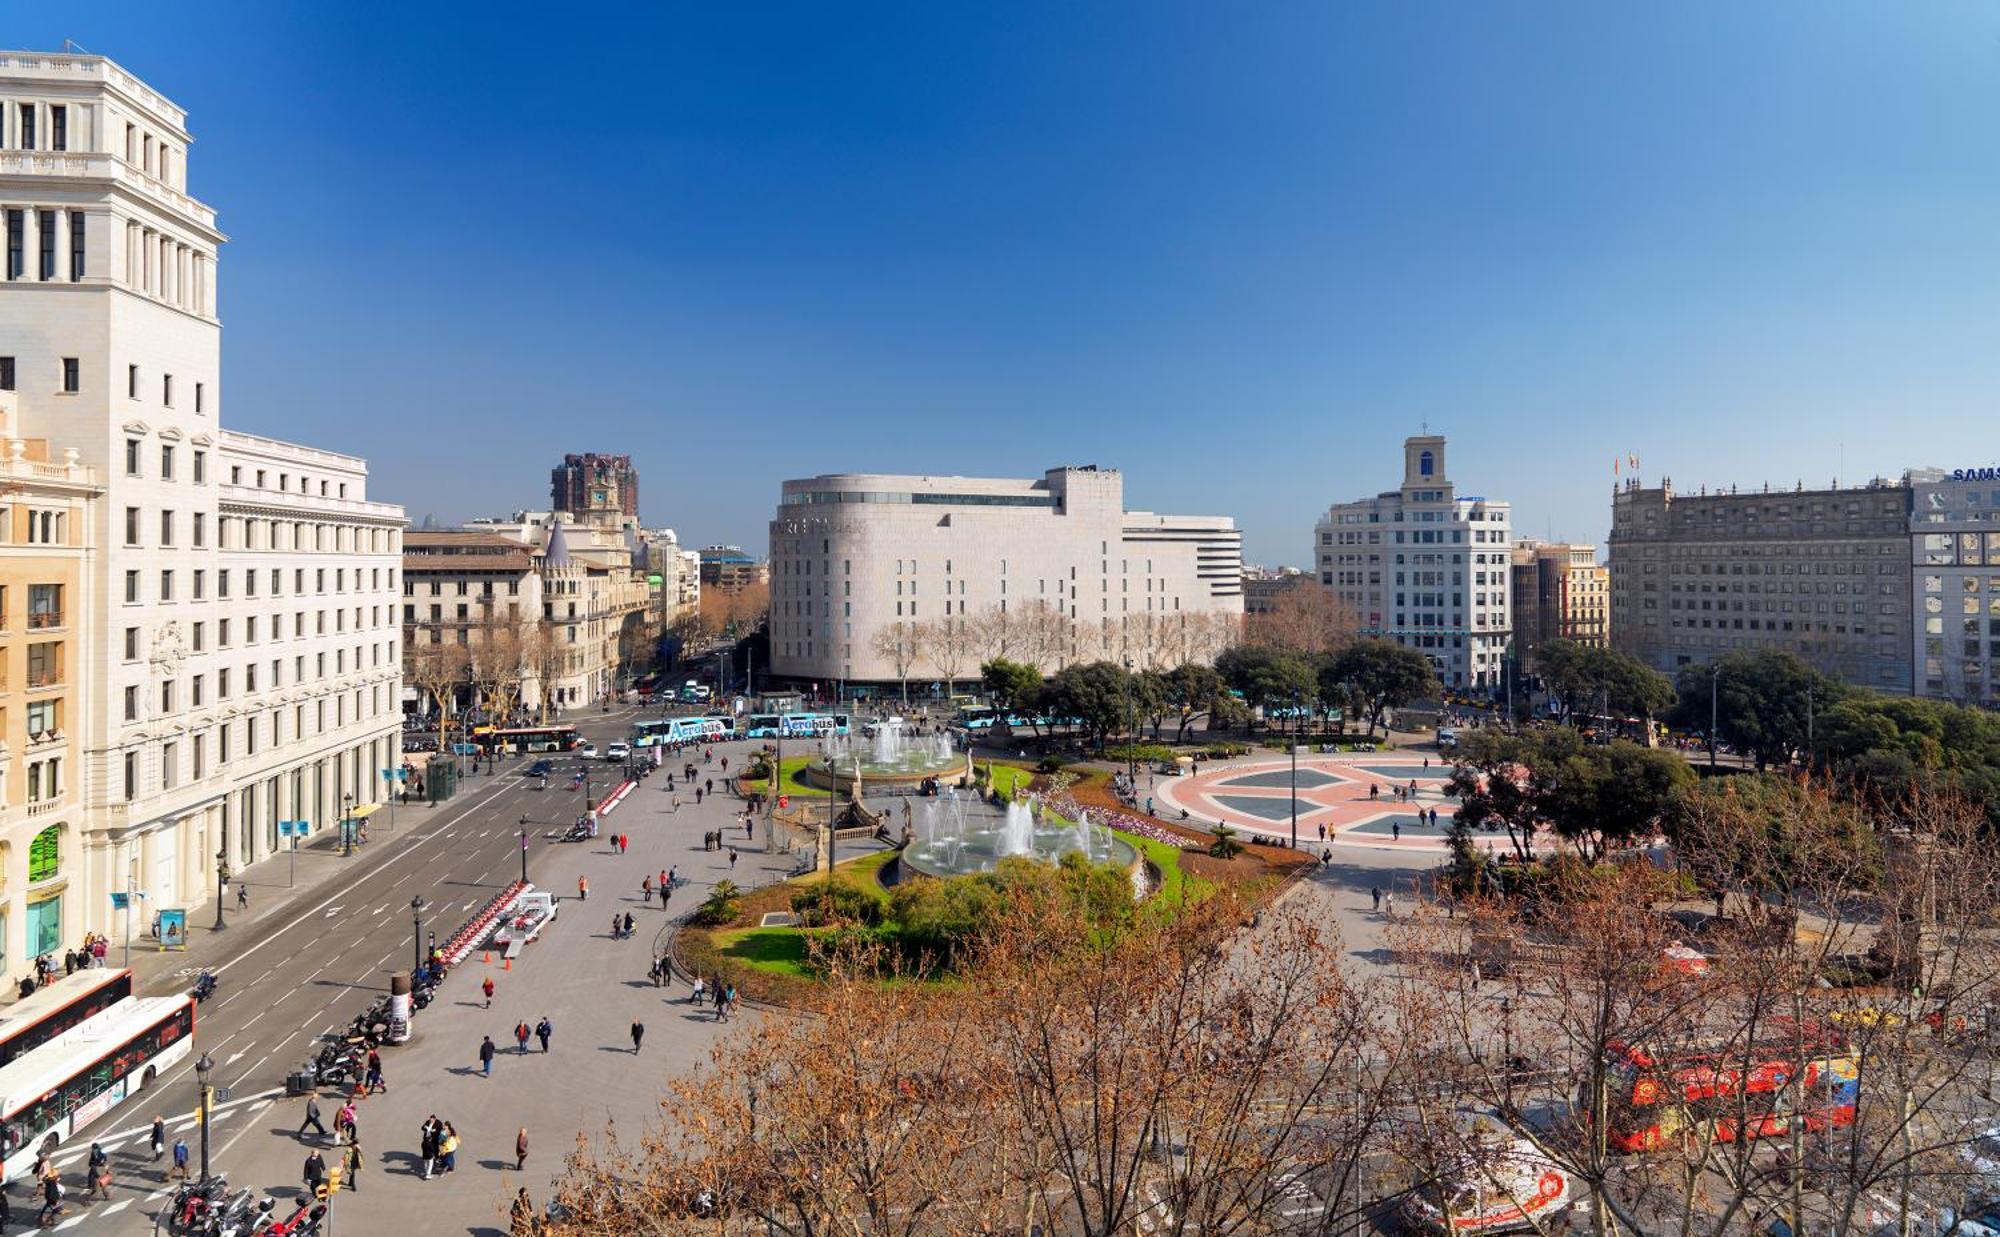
(529, 738)
(1736, 1092)
(672, 730)
(795, 725)
(55, 1007)
(50, 1095)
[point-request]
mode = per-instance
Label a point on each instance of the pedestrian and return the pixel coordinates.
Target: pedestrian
(521, 1035)
(628, 923)
(732, 858)
(353, 1174)
(700, 989)
(646, 891)
(343, 1120)
(374, 1061)
(1389, 903)
(543, 1030)
(181, 1159)
(242, 896)
(160, 1137)
(1322, 832)
(697, 796)
(100, 1173)
(487, 988)
(486, 1051)
(638, 1033)
(312, 1117)
(1395, 830)
(1375, 895)
(448, 1147)
(315, 1171)
(617, 923)
(748, 828)
(582, 889)
(373, 1082)
(521, 1149)
(670, 877)
(52, 1195)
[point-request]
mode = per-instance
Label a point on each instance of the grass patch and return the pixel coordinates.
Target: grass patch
(1010, 779)
(1177, 888)
(779, 951)
(791, 778)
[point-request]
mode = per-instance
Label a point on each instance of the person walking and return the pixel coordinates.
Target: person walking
(312, 1117)
(100, 1173)
(487, 988)
(638, 1033)
(628, 923)
(521, 1149)
(448, 1147)
(343, 1120)
(700, 990)
(180, 1159)
(315, 1171)
(543, 1030)
(582, 889)
(732, 858)
(352, 1175)
(646, 891)
(52, 1195)
(521, 1035)
(486, 1051)
(1375, 895)
(427, 1144)
(242, 896)
(160, 1137)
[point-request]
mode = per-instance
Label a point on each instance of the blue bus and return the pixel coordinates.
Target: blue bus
(673, 730)
(795, 725)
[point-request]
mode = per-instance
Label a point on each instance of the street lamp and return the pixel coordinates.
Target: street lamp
(416, 933)
(1714, 679)
(1131, 738)
(202, 1067)
(221, 879)
(347, 824)
(524, 850)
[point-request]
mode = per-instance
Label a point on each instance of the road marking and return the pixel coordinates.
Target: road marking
(236, 1056)
(378, 910)
(120, 1205)
(331, 912)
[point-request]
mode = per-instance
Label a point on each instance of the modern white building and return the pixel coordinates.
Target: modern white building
(240, 660)
(1049, 570)
(1426, 567)
(1955, 566)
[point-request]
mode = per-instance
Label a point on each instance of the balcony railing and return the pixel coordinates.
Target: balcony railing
(39, 679)
(38, 619)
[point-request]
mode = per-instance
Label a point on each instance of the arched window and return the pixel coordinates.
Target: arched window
(1426, 464)
(45, 855)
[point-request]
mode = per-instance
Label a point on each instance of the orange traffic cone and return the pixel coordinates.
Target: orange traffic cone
(506, 964)
(486, 956)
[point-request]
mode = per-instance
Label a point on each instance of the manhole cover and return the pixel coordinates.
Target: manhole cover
(779, 919)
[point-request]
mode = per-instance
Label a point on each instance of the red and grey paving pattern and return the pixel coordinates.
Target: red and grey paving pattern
(1375, 799)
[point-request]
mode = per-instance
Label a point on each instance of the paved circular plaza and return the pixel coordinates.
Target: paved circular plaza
(1255, 795)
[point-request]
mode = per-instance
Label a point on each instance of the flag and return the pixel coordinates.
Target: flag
(1614, 465)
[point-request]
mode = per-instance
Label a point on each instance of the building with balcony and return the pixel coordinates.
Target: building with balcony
(1426, 567)
(238, 592)
(1823, 574)
(1048, 570)
(1561, 592)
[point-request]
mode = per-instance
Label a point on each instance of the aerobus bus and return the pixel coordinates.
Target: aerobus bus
(50, 1095)
(56, 1007)
(795, 725)
(529, 738)
(670, 730)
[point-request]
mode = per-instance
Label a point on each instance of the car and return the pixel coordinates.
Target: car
(541, 768)
(618, 751)
(588, 751)
(420, 743)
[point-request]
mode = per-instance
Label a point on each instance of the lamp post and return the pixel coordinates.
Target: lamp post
(202, 1068)
(221, 879)
(1131, 738)
(1295, 792)
(1714, 678)
(831, 781)
(347, 824)
(524, 850)
(416, 933)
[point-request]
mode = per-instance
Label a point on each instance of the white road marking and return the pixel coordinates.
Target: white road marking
(236, 1056)
(331, 912)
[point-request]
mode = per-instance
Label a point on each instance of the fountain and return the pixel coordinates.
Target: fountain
(892, 757)
(944, 842)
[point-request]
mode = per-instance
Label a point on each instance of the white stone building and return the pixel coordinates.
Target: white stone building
(1955, 568)
(1425, 567)
(241, 661)
(856, 554)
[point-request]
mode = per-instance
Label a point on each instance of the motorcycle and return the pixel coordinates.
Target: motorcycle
(204, 987)
(197, 1206)
(305, 1219)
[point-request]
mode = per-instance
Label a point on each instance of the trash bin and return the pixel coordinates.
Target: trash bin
(299, 1082)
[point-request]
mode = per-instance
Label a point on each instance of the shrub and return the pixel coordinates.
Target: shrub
(722, 906)
(1049, 764)
(1225, 845)
(1222, 751)
(819, 906)
(1148, 752)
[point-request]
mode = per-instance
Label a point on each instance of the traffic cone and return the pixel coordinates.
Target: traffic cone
(486, 957)
(506, 964)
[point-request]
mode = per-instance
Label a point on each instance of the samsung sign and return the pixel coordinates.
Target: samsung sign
(1975, 474)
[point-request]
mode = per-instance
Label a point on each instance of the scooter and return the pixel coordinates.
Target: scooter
(204, 987)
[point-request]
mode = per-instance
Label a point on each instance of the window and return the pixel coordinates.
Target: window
(131, 776)
(132, 382)
(167, 585)
(72, 378)
(45, 780)
(6, 373)
(42, 718)
(200, 528)
(166, 449)
(27, 126)
(194, 692)
(58, 127)
(131, 457)
(170, 761)
(132, 704)
(131, 586)
(200, 457)
(200, 584)
(166, 696)
(47, 219)
(45, 608)
(76, 235)
(200, 392)
(166, 528)
(44, 664)
(167, 397)
(131, 644)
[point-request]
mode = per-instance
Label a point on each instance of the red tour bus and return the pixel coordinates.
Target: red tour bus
(1730, 1090)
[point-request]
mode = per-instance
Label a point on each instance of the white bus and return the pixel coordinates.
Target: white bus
(50, 1095)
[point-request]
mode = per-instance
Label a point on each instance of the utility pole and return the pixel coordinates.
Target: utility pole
(1714, 679)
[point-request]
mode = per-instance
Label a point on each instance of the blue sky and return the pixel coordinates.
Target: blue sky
(1237, 250)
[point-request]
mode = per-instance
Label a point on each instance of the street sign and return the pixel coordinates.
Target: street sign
(221, 1095)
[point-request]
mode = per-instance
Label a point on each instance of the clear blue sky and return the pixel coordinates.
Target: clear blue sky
(1237, 250)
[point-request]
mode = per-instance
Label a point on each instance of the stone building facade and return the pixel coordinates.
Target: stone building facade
(1561, 592)
(1824, 574)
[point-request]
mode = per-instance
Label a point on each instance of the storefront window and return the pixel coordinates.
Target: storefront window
(45, 926)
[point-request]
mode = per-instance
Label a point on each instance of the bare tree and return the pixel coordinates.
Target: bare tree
(951, 644)
(901, 646)
(1307, 618)
(547, 656)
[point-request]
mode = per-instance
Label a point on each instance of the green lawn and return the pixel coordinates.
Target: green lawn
(791, 772)
(781, 951)
(1010, 779)
(1177, 888)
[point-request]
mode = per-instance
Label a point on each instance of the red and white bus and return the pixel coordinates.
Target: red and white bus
(50, 1095)
(55, 1007)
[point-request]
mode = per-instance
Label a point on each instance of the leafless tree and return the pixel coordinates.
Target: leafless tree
(902, 646)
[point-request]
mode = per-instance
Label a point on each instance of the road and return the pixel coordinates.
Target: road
(292, 973)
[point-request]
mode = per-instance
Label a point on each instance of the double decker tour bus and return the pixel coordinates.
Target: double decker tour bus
(528, 738)
(672, 730)
(55, 1007)
(1734, 1091)
(50, 1095)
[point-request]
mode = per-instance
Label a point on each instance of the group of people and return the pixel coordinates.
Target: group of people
(722, 995)
(437, 1144)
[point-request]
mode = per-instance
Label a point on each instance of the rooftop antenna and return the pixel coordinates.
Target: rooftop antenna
(73, 47)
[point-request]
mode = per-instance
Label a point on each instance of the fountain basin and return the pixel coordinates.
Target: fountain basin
(946, 843)
(889, 759)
